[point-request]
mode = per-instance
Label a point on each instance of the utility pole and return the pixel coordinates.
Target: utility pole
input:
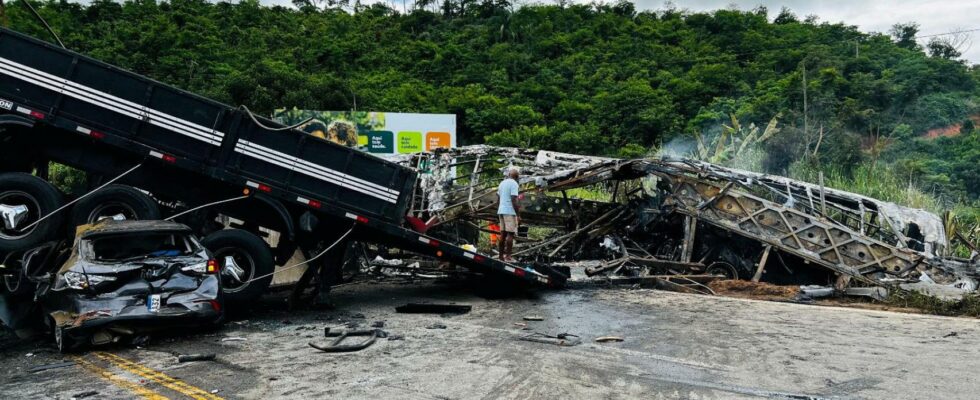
(805, 130)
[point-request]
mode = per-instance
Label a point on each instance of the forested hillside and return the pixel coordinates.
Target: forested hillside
(595, 79)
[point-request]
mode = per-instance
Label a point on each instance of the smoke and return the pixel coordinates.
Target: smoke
(678, 147)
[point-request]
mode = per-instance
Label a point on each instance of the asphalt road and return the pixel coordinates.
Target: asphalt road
(676, 346)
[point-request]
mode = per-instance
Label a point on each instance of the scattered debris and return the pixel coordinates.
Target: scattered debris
(396, 337)
(680, 223)
(140, 341)
(951, 334)
(195, 357)
(607, 339)
(436, 326)
(561, 339)
(426, 308)
(760, 290)
(233, 339)
(51, 366)
(83, 395)
(336, 345)
(875, 292)
(816, 291)
(533, 318)
(520, 325)
(378, 324)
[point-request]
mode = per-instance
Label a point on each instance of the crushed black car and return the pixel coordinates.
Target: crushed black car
(124, 278)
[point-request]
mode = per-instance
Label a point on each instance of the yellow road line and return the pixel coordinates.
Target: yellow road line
(165, 380)
(117, 380)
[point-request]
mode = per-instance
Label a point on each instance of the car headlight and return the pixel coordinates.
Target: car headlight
(204, 267)
(78, 280)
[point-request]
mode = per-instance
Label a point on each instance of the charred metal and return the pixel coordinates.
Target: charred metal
(667, 217)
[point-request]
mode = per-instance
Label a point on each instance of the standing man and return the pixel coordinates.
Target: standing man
(507, 212)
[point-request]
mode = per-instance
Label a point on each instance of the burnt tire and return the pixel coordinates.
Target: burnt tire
(251, 255)
(40, 198)
(114, 200)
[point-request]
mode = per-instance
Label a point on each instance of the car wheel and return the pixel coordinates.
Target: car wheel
(243, 257)
(24, 199)
(119, 202)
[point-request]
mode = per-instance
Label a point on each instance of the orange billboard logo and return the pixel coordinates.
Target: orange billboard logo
(436, 140)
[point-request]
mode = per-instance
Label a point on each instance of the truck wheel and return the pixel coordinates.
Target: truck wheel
(242, 257)
(119, 202)
(24, 199)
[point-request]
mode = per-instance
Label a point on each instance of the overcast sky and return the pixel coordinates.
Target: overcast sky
(933, 16)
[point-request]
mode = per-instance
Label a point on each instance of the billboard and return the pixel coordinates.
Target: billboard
(379, 133)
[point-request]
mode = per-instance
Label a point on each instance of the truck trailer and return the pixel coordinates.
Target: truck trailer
(152, 151)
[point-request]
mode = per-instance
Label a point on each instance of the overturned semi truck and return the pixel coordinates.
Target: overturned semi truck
(152, 151)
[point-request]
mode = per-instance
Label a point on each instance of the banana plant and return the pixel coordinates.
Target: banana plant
(734, 140)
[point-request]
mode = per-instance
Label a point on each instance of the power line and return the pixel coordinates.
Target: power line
(948, 33)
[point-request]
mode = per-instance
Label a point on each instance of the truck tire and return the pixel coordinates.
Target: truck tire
(40, 198)
(125, 202)
(252, 258)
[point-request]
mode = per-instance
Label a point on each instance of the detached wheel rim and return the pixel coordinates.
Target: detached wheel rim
(114, 210)
(237, 268)
(15, 199)
(722, 269)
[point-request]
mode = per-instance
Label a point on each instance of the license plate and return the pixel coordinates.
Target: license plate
(6, 104)
(153, 303)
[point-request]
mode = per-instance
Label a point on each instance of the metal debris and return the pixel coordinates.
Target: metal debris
(681, 223)
(561, 339)
(337, 345)
(426, 308)
(195, 357)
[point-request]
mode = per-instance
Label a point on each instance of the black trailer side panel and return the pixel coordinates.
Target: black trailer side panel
(215, 138)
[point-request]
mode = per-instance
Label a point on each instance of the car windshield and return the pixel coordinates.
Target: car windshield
(139, 245)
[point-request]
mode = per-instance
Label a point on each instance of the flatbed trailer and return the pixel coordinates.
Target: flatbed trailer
(61, 106)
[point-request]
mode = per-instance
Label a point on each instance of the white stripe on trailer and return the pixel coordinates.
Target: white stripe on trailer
(303, 200)
(84, 130)
(509, 269)
(469, 255)
(97, 97)
(189, 129)
(110, 102)
(324, 173)
(277, 160)
(542, 280)
(252, 184)
(156, 154)
(351, 216)
(424, 239)
(311, 167)
(283, 160)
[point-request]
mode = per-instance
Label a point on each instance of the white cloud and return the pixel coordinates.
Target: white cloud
(933, 16)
